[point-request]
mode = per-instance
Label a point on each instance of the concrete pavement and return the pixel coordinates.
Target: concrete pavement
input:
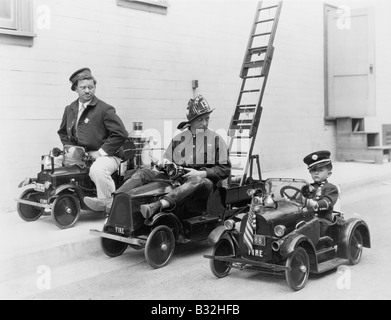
(27, 246)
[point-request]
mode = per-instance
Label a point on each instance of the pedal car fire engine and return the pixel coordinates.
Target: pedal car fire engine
(193, 221)
(59, 188)
(190, 221)
(288, 239)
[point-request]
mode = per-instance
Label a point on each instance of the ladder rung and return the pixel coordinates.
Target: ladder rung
(254, 64)
(238, 154)
(270, 7)
(247, 105)
(253, 77)
(249, 91)
(263, 21)
(241, 137)
(247, 109)
(242, 121)
(258, 50)
(236, 168)
(241, 127)
(262, 34)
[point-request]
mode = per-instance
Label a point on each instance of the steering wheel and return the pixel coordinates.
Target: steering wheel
(286, 193)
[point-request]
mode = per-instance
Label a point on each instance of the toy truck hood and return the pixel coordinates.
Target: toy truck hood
(286, 214)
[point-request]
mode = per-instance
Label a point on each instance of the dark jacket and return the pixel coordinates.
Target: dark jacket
(326, 195)
(203, 151)
(99, 127)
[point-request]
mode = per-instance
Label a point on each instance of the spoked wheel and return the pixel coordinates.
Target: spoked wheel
(299, 265)
(27, 212)
(160, 247)
(113, 248)
(65, 211)
(222, 248)
(355, 247)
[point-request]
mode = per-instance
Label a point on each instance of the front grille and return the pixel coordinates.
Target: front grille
(120, 214)
(262, 243)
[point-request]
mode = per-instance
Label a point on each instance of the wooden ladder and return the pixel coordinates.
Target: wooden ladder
(254, 74)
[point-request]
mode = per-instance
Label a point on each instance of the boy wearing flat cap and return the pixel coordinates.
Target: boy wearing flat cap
(93, 124)
(322, 195)
(200, 150)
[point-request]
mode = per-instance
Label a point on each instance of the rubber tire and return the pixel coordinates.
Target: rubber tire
(223, 247)
(160, 246)
(60, 216)
(299, 263)
(26, 212)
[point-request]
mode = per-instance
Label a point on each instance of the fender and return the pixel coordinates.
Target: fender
(173, 221)
(67, 187)
(346, 231)
(216, 235)
(292, 242)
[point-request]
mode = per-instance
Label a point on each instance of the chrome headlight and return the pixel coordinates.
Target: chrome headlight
(279, 230)
(256, 201)
(229, 224)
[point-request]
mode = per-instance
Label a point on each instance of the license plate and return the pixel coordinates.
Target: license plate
(40, 187)
(260, 240)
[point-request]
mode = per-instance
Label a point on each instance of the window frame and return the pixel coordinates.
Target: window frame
(156, 6)
(11, 22)
(22, 32)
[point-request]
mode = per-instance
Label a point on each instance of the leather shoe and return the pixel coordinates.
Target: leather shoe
(97, 204)
(148, 210)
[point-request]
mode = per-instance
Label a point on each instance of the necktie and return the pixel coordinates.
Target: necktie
(81, 109)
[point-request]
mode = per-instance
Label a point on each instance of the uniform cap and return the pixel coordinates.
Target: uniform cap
(81, 74)
(317, 159)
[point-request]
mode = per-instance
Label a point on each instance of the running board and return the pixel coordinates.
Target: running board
(330, 265)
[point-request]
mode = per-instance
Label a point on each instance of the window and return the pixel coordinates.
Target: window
(8, 14)
(157, 6)
(16, 22)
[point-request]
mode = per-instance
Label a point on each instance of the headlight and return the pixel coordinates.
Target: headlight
(279, 230)
(229, 224)
(256, 201)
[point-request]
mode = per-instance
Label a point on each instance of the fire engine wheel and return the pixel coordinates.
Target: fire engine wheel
(27, 212)
(65, 211)
(160, 246)
(222, 248)
(355, 247)
(113, 248)
(299, 265)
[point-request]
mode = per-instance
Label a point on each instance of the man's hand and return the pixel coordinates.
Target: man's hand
(194, 173)
(94, 154)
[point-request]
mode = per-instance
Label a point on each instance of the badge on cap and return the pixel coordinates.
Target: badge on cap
(315, 157)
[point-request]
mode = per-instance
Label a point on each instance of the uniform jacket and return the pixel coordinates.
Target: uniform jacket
(326, 195)
(206, 150)
(99, 127)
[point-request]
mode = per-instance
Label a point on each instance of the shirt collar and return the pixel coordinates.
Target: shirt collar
(85, 103)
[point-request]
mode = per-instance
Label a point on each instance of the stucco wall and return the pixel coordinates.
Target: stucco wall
(144, 63)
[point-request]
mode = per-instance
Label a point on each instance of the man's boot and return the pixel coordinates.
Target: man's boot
(148, 210)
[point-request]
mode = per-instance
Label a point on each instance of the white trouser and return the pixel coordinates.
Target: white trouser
(100, 173)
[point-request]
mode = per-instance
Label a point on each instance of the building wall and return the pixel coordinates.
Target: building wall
(145, 62)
